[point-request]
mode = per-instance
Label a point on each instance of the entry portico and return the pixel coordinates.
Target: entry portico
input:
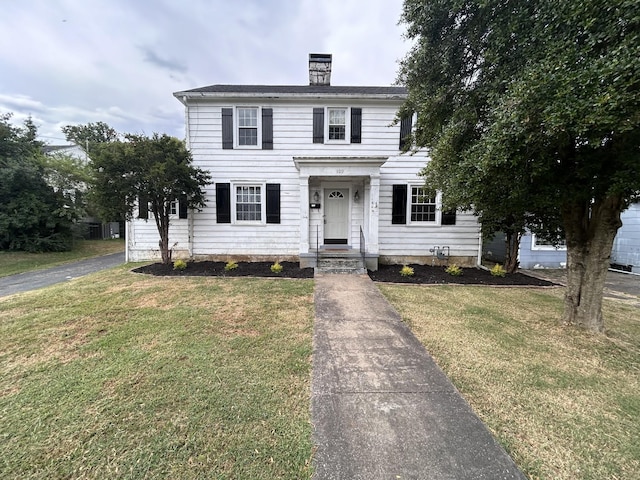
(339, 204)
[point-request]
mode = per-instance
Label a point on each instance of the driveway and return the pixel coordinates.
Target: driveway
(23, 282)
(621, 286)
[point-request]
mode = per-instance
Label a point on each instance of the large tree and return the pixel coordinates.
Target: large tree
(544, 98)
(34, 216)
(153, 172)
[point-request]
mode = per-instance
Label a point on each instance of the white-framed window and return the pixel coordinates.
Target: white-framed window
(173, 208)
(247, 125)
(538, 243)
(337, 125)
(423, 205)
(248, 203)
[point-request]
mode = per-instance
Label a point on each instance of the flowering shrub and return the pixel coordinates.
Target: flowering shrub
(179, 265)
(498, 271)
(406, 271)
(453, 270)
(231, 265)
(276, 267)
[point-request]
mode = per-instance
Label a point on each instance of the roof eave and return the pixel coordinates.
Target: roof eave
(184, 96)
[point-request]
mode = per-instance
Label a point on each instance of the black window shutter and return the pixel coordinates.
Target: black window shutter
(448, 217)
(399, 205)
(143, 207)
(227, 128)
(267, 128)
(356, 125)
(223, 203)
(273, 203)
(405, 131)
(318, 125)
(182, 206)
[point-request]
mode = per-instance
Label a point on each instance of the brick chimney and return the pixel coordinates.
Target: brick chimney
(320, 69)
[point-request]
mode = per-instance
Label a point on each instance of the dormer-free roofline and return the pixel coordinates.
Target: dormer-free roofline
(292, 91)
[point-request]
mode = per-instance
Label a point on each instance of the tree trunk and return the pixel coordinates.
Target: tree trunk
(161, 214)
(512, 241)
(590, 229)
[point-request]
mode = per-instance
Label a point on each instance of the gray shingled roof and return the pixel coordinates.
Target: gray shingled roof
(297, 89)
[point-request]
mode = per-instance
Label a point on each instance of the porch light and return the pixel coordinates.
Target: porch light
(356, 196)
(316, 196)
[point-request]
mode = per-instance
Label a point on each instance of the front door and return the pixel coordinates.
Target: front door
(336, 216)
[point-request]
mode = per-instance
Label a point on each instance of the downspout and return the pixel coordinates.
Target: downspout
(188, 145)
(127, 236)
(480, 247)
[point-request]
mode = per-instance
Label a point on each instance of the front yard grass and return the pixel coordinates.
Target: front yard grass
(564, 403)
(19, 262)
(121, 375)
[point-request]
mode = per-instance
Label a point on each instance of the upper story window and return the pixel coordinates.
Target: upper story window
(423, 205)
(247, 126)
(337, 123)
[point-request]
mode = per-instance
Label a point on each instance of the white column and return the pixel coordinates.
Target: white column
(304, 214)
(374, 214)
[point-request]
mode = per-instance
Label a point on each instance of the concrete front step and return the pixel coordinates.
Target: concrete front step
(340, 264)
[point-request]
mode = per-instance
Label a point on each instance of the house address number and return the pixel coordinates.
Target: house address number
(339, 171)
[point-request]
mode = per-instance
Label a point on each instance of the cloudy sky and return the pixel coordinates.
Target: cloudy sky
(119, 61)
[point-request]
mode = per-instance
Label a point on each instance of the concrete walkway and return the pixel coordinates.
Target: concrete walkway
(381, 407)
(23, 282)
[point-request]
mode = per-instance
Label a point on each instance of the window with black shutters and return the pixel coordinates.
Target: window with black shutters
(252, 128)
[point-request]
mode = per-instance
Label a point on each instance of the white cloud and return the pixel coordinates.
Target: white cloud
(119, 61)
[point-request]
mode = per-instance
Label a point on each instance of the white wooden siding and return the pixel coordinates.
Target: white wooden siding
(293, 137)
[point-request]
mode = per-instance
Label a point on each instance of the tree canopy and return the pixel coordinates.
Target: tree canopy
(150, 171)
(530, 111)
(34, 216)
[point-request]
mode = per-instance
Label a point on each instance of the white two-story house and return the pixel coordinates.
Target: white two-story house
(307, 169)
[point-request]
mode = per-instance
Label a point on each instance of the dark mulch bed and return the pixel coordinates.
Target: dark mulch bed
(423, 274)
(216, 269)
(427, 274)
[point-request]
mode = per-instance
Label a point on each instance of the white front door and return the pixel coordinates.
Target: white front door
(336, 216)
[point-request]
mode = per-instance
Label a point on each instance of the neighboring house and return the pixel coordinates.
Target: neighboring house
(535, 253)
(625, 254)
(303, 170)
(95, 229)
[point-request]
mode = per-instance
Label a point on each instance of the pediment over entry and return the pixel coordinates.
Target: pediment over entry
(339, 166)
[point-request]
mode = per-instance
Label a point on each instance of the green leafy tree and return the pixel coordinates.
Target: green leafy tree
(89, 135)
(542, 97)
(33, 216)
(156, 171)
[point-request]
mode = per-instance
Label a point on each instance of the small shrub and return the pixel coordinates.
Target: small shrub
(276, 268)
(453, 270)
(406, 271)
(498, 271)
(179, 265)
(231, 265)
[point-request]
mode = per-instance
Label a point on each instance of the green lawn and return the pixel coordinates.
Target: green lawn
(121, 375)
(128, 376)
(564, 403)
(18, 262)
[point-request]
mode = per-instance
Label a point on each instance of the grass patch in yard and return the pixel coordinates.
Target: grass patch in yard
(19, 262)
(128, 376)
(564, 403)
